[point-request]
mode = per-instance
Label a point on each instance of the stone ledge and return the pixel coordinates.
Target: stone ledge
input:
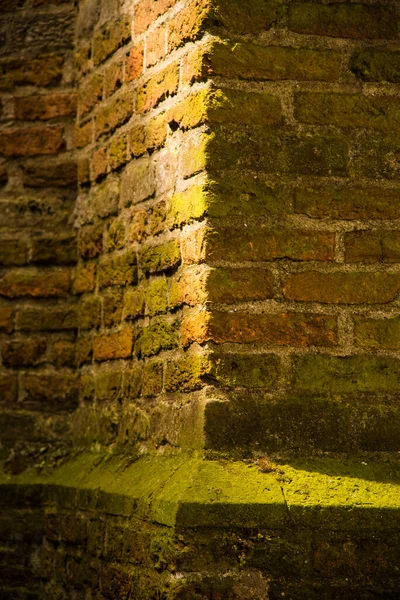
(184, 491)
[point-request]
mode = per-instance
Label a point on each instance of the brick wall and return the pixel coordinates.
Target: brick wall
(37, 241)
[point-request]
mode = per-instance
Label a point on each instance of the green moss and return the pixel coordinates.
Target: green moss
(157, 296)
(160, 258)
(159, 335)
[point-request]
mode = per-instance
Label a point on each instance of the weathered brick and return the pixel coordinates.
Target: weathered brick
(133, 382)
(54, 250)
(32, 141)
(195, 65)
(357, 21)
(99, 164)
(109, 386)
(114, 112)
(376, 156)
(47, 319)
(6, 319)
(348, 203)
(43, 71)
(112, 307)
(157, 296)
(55, 392)
(113, 77)
(258, 244)
(83, 135)
(156, 45)
(372, 64)
(186, 374)
(340, 287)
(134, 62)
(90, 93)
(160, 334)
(245, 370)
(348, 110)
(188, 24)
(63, 354)
(152, 379)
(91, 240)
(110, 38)
(345, 374)
(119, 269)
(109, 346)
(105, 196)
(134, 304)
(289, 329)
(138, 182)
(189, 286)
(161, 85)
(23, 353)
(35, 283)
(250, 17)
(147, 11)
(156, 131)
(45, 106)
(61, 173)
(251, 61)
(118, 151)
(155, 259)
(229, 286)
(137, 140)
(376, 246)
(90, 313)
(85, 278)
(8, 388)
(379, 334)
(138, 227)
(116, 233)
(13, 252)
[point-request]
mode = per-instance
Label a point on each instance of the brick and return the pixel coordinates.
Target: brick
(119, 269)
(105, 197)
(188, 24)
(83, 135)
(114, 113)
(134, 62)
(375, 156)
(356, 21)
(8, 388)
(13, 252)
(112, 307)
(161, 85)
(193, 246)
(147, 11)
(110, 346)
(289, 329)
(47, 319)
(23, 353)
(83, 171)
(190, 286)
(82, 59)
(376, 65)
(138, 226)
(6, 319)
(157, 296)
(91, 240)
(156, 45)
(85, 278)
(90, 313)
(195, 65)
(134, 304)
(51, 250)
(152, 379)
(229, 286)
(156, 132)
(186, 374)
(45, 106)
(63, 354)
(133, 382)
(99, 164)
(113, 77)
(90, 93)
(156, 259)
(342, 287)
(246, 370)
(43, 71)
(368, 246)
(252, 17)
(118, 151)
(61, 173)
(348, 110)
(35, 283)
(56, 392)
(251, 61)
(345, 374)
(377, 334)
(160, 334)
(238, 245)
(195, 150)
(137, 140)
(348, 203)
(109, 386)
(110, 38)
(32, 141)
(116, 233)
(138, 182)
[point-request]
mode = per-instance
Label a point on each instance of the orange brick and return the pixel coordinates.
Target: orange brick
(45, 106)
(147, 11)
(163, 84)
(113, 345)
(134, 62)
(32, 141)
(113, 77)
(188, 24)
(155, 46)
